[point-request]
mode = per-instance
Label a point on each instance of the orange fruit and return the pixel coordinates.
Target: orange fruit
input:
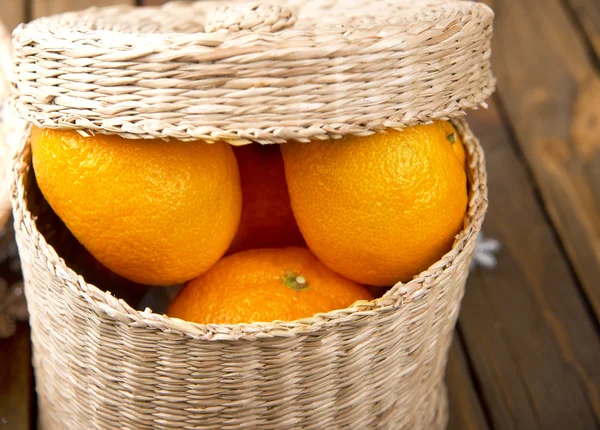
(267, 218)
(262, 285)
(382, 208)
(154, 212)
(457, 145)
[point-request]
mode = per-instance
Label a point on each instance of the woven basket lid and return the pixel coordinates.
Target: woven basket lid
(241, 72)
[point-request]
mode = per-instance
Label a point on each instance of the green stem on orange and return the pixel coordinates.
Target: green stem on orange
(451, 138)
(294, 281)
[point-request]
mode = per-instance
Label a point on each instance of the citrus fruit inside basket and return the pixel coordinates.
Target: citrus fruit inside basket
(267, 218)
(155, 212)
(382, 208)
(373, 210)
(264, 285)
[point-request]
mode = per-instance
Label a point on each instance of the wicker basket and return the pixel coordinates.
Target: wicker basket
(99, 363)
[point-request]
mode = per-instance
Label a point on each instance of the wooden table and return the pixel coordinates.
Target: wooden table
(526, 354)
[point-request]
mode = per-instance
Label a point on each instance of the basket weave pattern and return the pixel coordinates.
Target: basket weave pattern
(314, 70)
(101, 364)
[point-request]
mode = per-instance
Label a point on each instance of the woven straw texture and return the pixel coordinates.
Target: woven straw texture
(306, 69)
(12, 300)
(10, 125)
(101, 364)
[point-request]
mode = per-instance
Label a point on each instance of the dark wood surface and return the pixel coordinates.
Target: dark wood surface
(527, 330)
(526, 353)
(16, 381)
(550, 90)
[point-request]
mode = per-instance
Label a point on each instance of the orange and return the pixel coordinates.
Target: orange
(154, 212)
(267, 218)
(262, 285)
(382, 208)
(457, 145)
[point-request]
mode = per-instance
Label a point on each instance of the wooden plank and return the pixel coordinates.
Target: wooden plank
(50, 7)
(153, 2)
(465, 408)
(532, 340)
(551, 93)
(587, 13)
(16, 381)
(14, 14)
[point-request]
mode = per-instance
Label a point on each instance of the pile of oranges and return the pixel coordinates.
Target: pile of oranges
(259, 232)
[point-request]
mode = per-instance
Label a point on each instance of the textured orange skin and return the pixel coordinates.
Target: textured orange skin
(154, 212)
(267, 218)
(382, 208)
(247, 287)
(458, 147)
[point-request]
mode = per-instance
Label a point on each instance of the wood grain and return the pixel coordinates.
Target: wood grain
(50, 7)
(153, 2)
(529, 335)
(13, 14)
(465, 408)
(587, 13)
(551, 94)
(16, 381)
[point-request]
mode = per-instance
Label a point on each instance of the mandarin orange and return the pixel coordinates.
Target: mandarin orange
(154, 212)
(267, 218)
(262, 285)
(382, 208)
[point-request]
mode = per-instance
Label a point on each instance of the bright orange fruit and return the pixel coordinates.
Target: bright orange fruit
(454, 138)
(262, 285)
(267, 218)
(382, 208)
(154, 212)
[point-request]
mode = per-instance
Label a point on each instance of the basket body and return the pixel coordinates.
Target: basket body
(99, 364)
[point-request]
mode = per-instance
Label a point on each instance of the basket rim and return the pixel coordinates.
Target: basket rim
(394, 298)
